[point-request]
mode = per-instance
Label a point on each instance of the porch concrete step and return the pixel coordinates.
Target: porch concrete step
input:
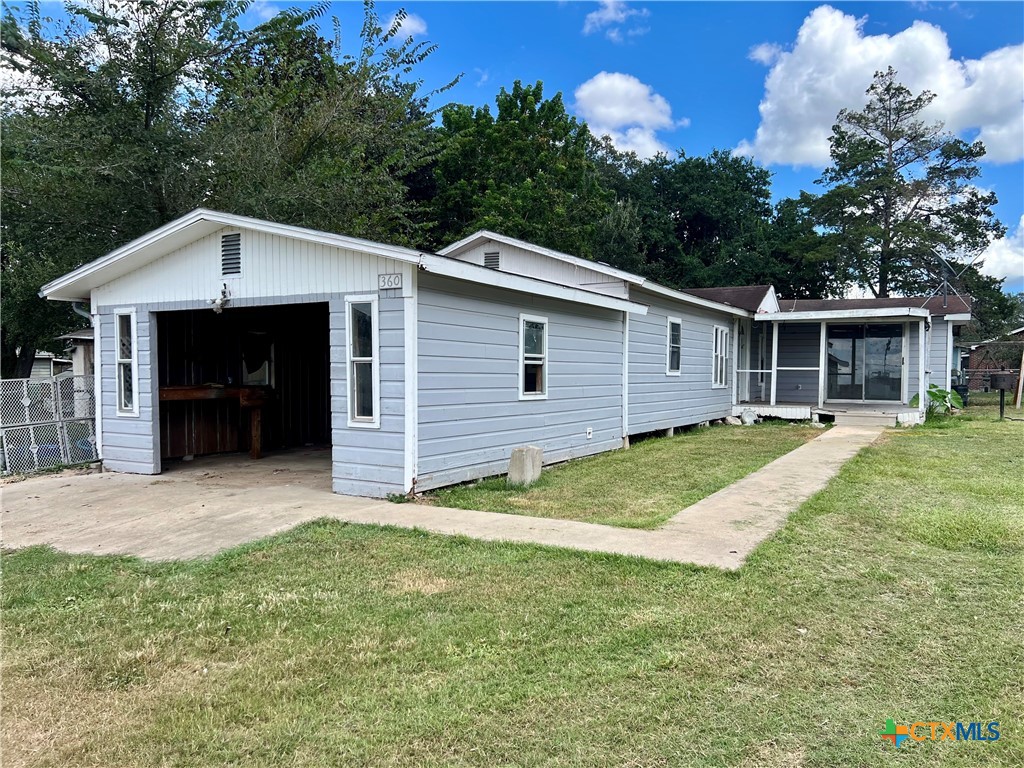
(866, 419)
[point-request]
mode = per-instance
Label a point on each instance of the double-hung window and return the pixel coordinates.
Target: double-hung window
(363, 361)
(533, 357)
(126, 368)
(674, 346)
(720, 357)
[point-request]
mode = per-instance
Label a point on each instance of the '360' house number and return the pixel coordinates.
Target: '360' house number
(389, 282)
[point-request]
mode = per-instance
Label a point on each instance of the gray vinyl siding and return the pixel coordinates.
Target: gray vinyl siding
(938, 353)
(367, 461)
(658, 400)
(130, 443)
(799, 347)
(470, 415)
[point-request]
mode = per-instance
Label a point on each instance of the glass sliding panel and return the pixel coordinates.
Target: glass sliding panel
(883, 362)
(845, 362)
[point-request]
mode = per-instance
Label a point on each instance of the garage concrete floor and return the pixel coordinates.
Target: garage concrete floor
(198, 508)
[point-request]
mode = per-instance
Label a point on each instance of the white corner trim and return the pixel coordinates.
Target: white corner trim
(411, 373)
(668, 346)
(97, 379)
(373, 300)
(625, 375)
(523, 318)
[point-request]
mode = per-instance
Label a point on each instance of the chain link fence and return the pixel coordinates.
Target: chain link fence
(47, 422)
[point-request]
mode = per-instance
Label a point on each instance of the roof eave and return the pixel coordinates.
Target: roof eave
(697, 301)
(460, 270)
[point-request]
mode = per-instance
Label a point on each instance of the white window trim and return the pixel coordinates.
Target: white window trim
(668, 346)
(523, 318)
(724, 354)
(372, 300)
(119, 361)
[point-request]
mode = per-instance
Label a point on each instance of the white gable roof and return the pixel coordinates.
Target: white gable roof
(76, 285)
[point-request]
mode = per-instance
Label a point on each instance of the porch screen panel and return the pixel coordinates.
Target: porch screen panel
(883, 362)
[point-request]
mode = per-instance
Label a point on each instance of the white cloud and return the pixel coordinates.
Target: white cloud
(627, 110)
(611, 16)
(264, 10)
(483, 76)
(411, 26)
(832, 62)
(1005, 258)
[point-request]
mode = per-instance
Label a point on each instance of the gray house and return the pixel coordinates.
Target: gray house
(217, 333)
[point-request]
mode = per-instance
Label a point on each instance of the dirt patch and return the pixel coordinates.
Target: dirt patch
(418, 580)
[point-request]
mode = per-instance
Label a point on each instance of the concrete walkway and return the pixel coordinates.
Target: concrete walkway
(217, 503)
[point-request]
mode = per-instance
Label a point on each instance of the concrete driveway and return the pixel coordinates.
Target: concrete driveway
(199, 508)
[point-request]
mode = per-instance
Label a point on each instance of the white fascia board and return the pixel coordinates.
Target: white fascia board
(844, 314)
(460, 270)
(483, 235)
(696, 301)
(958, 317)
(75, 285)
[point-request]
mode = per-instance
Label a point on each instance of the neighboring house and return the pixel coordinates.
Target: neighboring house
(46, 365)
(80, 350)
(991, 355)
(421, 370)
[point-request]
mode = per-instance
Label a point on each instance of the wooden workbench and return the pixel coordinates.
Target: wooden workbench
(252, 398)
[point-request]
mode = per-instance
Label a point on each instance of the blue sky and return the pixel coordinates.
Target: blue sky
(762, 78)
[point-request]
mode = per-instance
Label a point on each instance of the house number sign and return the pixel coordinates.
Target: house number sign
(389, 282)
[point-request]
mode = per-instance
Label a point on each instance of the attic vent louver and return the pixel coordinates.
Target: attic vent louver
(231, 254)
(492, 260)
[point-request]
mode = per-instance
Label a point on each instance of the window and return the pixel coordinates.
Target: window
(124, 326)
(363, 362)
(231, 254)
(674, 346)
(533, 357)
(720, 357)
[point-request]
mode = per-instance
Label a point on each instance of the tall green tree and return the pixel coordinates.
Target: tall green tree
(129, 114)
(100, 141)
(525, 171)
(302, 133)
(899, 193)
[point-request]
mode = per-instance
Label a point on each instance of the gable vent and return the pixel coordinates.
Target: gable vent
(492, 260)
(231, 254)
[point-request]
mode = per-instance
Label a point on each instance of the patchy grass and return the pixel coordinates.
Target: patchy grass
(641, 487)
(896, 592)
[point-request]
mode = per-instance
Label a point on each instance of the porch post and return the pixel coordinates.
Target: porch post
(822, 365)
(735, 356)
(775, 358)
(922, 349)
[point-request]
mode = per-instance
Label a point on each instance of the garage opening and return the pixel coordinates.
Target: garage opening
(246, 379)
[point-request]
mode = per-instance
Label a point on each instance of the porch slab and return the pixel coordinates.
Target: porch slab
(201, 508)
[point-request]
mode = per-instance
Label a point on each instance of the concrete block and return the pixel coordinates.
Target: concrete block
(525, 465)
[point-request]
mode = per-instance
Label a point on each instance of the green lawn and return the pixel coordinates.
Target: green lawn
(641, 487)
(895, 593)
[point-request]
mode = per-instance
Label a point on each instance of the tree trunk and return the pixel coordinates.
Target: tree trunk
(15, 363)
